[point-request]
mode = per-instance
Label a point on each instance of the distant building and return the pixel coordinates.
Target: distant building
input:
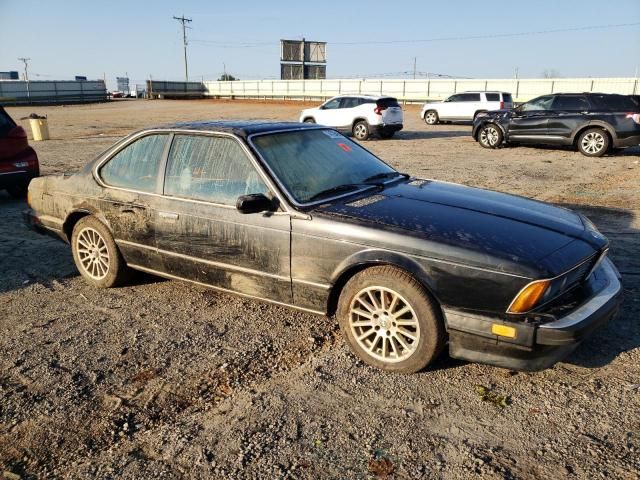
(12, 75)
(123, 84)
(81, 78)
(303, 60)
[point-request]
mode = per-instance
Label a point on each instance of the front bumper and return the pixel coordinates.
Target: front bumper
(535, 346)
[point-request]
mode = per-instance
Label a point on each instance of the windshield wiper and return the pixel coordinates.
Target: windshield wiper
(384, 175)
(347, 187)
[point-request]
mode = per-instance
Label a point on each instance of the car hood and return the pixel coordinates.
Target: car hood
(490, 224)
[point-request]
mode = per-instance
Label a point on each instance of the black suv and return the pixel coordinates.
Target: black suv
(592, 122)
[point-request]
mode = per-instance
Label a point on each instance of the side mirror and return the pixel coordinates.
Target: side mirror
(254, 203)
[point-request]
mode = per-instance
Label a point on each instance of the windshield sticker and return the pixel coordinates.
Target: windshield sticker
(332, 133)
(345, 147)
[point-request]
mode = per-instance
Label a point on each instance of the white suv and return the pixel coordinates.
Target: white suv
(465, 106)
(362, 115)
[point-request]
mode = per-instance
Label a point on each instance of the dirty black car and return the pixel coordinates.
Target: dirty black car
(299, 215)
(594, 123)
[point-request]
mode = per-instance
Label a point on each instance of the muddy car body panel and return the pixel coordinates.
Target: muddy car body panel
(473, 250)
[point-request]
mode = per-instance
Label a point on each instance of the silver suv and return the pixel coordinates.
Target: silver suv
(465, 106)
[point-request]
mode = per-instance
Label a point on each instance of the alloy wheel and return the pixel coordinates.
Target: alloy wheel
(593, 142)
(489, 136)
(384, 324)
(93, 253)
(430, 118)
(360, 131)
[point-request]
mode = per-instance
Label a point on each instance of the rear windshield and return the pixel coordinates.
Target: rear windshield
(6, 123)
(506, 97)
(387, 102)
(613, 103)
(493, 97)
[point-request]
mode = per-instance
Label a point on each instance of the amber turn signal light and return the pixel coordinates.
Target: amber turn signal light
(529, 297)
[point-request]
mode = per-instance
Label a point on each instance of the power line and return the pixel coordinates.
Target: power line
(429, 40)
(492, 35)
(184, 22)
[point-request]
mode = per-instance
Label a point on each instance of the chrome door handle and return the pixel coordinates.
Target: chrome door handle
(168, 215)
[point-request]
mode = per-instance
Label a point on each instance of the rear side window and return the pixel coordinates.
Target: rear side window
(493, 97)
(572, 103)
(349, 102)
(214, 169)
(6, 123)
(469, 97)
(613, 103)
(387, 102)
(135, 167)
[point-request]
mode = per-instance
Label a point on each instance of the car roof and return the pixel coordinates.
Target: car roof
(363, 95)
(241, 128)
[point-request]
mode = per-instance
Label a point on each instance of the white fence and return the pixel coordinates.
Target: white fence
(415, 90)
(16, 92)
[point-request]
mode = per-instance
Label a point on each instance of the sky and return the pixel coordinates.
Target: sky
(364, 39)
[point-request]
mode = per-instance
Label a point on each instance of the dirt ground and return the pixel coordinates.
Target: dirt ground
(167, 380)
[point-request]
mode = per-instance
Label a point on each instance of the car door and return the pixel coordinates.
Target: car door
(200, 234)
(568, 113)
(132, 183)
(346, 113)
(329, 113)
(530, 120)
(450, 107)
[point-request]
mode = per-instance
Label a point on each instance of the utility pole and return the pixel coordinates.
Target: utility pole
(414, 67)
(184, 22)
(26, 67)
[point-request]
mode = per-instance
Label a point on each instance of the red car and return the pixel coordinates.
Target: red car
(18, 161)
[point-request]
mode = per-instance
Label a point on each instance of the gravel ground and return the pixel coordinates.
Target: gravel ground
(167, 380)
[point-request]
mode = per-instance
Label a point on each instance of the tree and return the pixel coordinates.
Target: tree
(227, 77)
(551, 73)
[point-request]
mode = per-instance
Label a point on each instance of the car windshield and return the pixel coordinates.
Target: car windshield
(320, 163)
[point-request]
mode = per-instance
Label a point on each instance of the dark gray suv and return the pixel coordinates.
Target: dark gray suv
(592, 122)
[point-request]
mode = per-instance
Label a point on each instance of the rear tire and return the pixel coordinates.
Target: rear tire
(593, 142)
(390, 321)
(96, 254)
(490, 136)
(361, 130)
(431, 117)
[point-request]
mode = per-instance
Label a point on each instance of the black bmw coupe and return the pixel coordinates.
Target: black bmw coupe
(299, 215)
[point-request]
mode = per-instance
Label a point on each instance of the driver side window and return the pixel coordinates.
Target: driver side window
(537, 104)
(332, 105)
(208, 168)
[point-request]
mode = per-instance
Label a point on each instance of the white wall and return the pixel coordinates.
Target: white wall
(416, 90)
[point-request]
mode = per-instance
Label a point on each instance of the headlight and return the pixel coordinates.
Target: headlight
(529, 296)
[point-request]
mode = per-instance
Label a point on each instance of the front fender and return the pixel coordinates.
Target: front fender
(373, 257)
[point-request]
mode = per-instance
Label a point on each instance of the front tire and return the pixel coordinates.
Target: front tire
(96, 254)
(490, 136)
(431, 117)
(361, 130)
(390, 321)
(593, 142)
(309, 120)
